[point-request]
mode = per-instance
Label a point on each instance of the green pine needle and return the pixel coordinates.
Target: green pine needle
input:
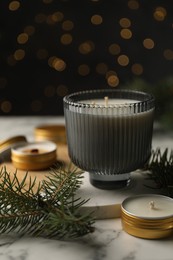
(48, 209)
(160, 167)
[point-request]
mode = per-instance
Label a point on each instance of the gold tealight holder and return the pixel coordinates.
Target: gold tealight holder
(51, 132)
(7, 144)
(34, 156)
(148, 216)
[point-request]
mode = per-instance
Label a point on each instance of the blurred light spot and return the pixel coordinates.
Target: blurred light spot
(125, 22)
(19, 54)
(67, 25)
(126, 34)
(62, 90)
(3, 82)
(101, 68)
(133, 4)
(148, 43)
(49, 91)
(6, 106)
(66, 39)
(40, 18)
(83, 70)
(50, 20)
(22, 38)
(57, 63)
(123, 60)
(137, 69)
(86, 47)
(11, 60)
(36, 105)
(57, 16)
(14, 5)
(113, 81)
(111, 73)
(29, 30)
(96, 19)
(160, 13)
(168, 54)
(42, 54)
(114, 49)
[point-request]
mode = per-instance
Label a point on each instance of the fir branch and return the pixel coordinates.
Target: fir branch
(160, 167)
(49, 208)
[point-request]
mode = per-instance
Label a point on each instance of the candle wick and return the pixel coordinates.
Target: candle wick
(106, 101)
(152, 204)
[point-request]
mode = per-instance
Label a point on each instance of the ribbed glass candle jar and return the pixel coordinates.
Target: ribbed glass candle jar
(109, 133)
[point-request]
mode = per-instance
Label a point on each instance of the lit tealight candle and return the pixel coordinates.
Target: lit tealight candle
(148, 216)
(34, 156)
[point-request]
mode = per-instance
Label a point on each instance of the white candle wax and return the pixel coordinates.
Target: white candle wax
(109, 101)
(149, 206)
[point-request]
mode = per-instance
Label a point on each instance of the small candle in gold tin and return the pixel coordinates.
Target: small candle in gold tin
(51, 132)
(7, 144)
(34, 156)
(148, 216)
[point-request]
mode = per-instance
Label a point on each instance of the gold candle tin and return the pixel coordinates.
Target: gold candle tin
(51, 132)
(7, 144)
(34, 156)
(155, 220)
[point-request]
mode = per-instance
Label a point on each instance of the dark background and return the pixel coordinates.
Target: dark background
(50, 48)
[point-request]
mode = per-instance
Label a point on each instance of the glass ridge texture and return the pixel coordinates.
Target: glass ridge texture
(109, 141)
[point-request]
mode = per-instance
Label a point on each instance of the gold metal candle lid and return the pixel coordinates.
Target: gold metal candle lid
(148, 216)
(7, 144)
(34, 156)
(52, 132)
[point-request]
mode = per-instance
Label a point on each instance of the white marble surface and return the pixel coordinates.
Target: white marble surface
(108, 242)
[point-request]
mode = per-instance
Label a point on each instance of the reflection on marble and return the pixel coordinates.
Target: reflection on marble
(108, 242)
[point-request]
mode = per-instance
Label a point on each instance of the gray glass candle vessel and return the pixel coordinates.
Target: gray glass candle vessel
(109, 133)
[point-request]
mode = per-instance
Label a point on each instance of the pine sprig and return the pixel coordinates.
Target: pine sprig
(48, 208)
(160, 167)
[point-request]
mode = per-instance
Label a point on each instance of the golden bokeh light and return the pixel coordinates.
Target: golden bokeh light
(125, 22)
(49, 91)
(29, 30)
(114, 49)
(168, 54)
(11, 60)
(160, 13)
(6, 106)
(66, 39)
(110, 73)
(137, 69)
(126, 34)
(19, 54)
(113, 81)
(22, 38)
(133, 4)
(83, 70)
(67, 25)
(14, 5)
(86, 47)
(40, 18)
(148, 43)
(62, 90)
(96, 19)
(101, 68)
(123, 60)
(57, 16)
(57, 63)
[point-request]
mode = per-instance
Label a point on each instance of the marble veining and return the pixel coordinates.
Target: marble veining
(108, 242)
